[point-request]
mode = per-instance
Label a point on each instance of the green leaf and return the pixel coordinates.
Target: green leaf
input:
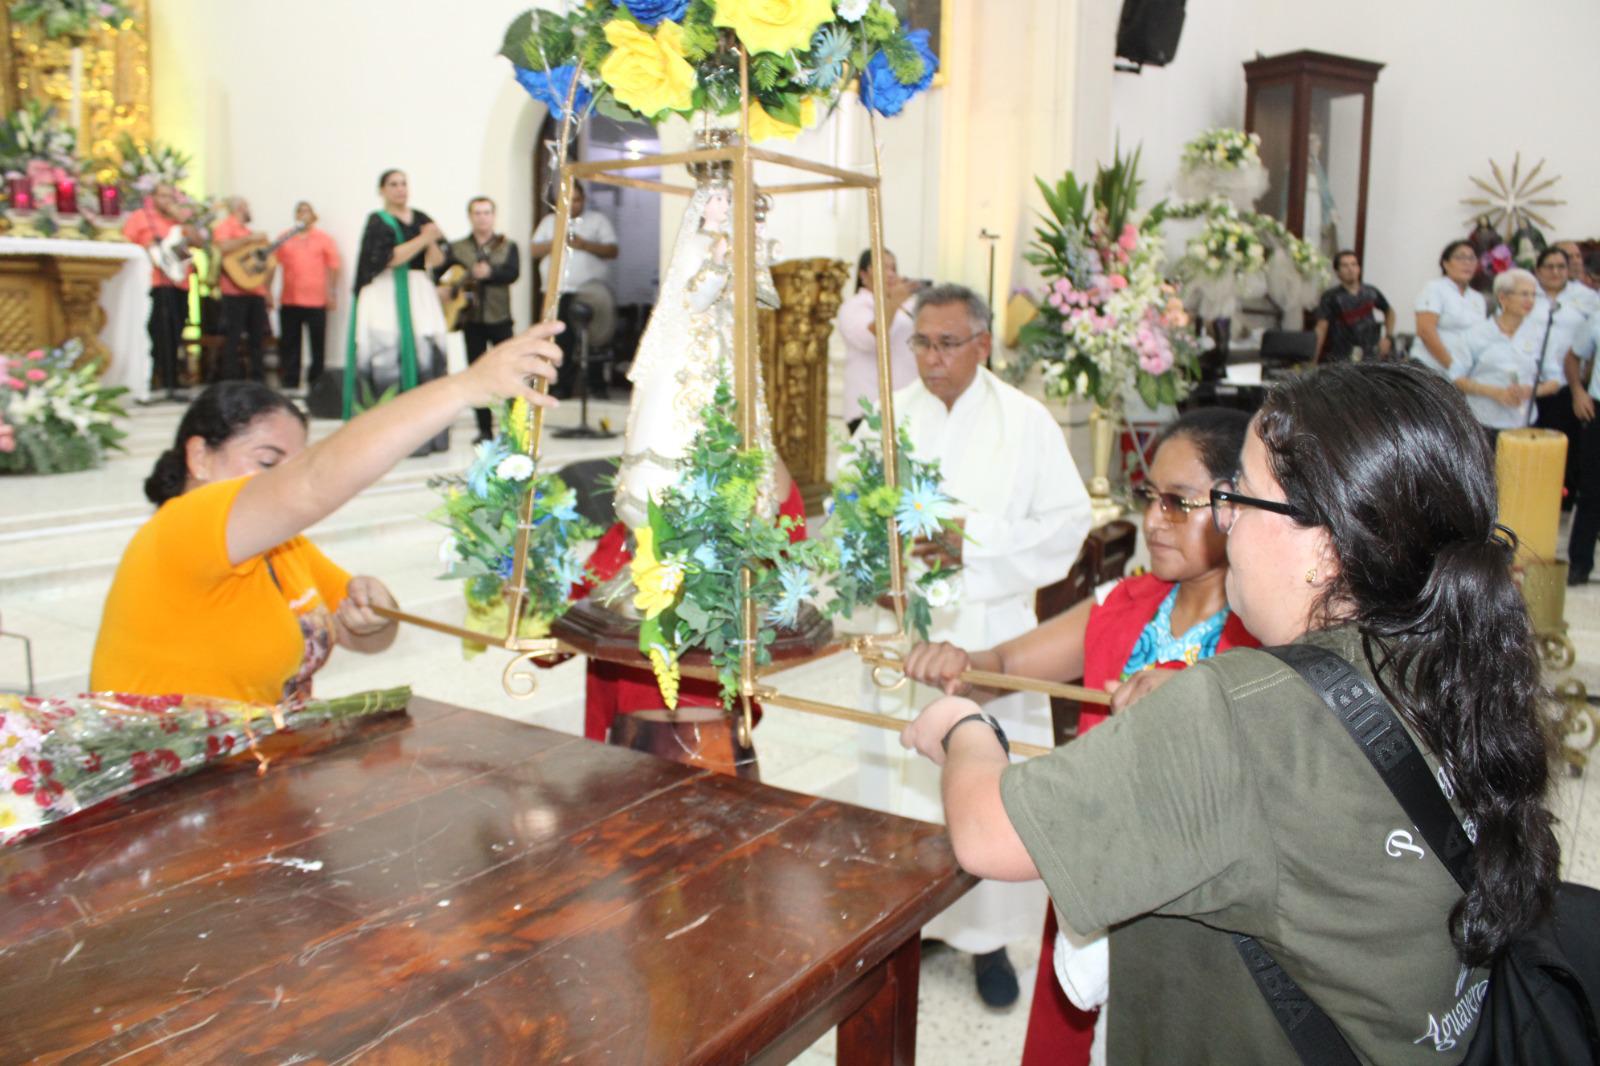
(1146, 385)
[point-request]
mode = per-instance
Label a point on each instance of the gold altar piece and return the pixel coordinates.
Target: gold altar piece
(113, 80)
(794, 363)
(46, 300)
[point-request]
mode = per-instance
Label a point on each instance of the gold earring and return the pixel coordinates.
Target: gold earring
(1311, 576)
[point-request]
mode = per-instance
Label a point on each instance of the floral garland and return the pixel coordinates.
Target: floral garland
(73, 19)
(60, 416)
(1222, 162)
(1239, 255)
(648, 59)
(1222, 148)
(704, 531)
(482, 509)
(857, 526)
(1108, 324)
(59, 757)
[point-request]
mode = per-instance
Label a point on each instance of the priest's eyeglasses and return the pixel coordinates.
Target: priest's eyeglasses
(1225, 504)
(1173, 507)
(943, 345)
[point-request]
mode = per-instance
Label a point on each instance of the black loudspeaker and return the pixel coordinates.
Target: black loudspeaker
(1149, 31)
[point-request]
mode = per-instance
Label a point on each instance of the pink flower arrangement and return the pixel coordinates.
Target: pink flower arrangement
(1129, 238)
(35, 375)
(8, 437)
(1497, 260)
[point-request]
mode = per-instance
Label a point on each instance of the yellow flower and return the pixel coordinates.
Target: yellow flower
(764, 127)
(774, 25)
(648, 73)
(666, 671)
(519, 425)
(658, 582)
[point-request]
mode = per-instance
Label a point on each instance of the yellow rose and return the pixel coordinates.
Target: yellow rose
(658, 582)
(648, 73)
(774, 25)
(764, 127)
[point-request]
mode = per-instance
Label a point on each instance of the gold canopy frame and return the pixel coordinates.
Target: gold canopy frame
(518, 679)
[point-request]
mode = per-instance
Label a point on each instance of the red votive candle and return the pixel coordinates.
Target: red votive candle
(110, 201)
(67, 196)
(21, 193)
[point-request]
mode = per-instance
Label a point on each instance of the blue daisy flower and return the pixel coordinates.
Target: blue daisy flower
(489, 454)
(795, 583)
(830, 53)
(922, 505)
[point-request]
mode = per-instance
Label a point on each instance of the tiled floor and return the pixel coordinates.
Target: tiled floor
(60, 538)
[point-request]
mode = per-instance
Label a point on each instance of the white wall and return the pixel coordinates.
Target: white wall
(312, 99)
(1464, 81)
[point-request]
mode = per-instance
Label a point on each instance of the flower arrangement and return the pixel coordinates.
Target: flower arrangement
(59, 757)
(858, 527)
(647, 59)
(1107, 323)
(141, 167)
(1222, 162)
(1239, 255)
(73, 19)
(61, 417)
(482, 508)
(704, 532)
(37, 153)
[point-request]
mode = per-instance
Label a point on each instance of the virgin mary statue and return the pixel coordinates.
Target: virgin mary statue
(687, 349)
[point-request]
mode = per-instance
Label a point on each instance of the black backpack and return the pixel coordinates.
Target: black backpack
(1540, 1009)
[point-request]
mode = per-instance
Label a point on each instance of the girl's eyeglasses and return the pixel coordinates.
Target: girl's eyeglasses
(1172, 505)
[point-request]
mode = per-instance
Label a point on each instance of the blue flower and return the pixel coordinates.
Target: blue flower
(651, 12)
(830, 51)
(701, 488)
(922, 505)
(489, 454)
(504, 565)
(568, 570)
(886, 94)
(550, 88)
(796, 584)
(564, 507)
(847, 554)
(706, 555)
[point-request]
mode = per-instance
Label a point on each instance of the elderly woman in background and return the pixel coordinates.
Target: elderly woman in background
(1231, 799)
(857, 324)
(1503, 365)
(1448, 308)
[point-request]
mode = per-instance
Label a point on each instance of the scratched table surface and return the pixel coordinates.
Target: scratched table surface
(446, 885)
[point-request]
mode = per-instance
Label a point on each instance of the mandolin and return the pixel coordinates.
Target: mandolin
(458, 287)
(250, 266)
(173, 253)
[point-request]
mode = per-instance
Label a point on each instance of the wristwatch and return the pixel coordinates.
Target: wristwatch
(986, 719)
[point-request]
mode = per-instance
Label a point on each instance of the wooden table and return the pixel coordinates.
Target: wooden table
(453, 886)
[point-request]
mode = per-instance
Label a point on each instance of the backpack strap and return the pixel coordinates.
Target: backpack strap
(1372, 724)
(1377, 731)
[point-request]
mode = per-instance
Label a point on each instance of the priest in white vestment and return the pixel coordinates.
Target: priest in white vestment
(1026, 513)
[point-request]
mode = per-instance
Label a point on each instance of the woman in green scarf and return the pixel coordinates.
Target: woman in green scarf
(397, 331)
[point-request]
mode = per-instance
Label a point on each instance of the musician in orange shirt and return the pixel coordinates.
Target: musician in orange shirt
(244, 311)
(310, 264)
(169, 308)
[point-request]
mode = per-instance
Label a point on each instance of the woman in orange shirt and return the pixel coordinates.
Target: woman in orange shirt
(219, 594)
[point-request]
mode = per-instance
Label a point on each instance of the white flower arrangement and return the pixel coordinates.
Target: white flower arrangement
(1222, 163)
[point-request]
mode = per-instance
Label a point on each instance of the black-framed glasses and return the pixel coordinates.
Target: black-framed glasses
(1173, 506)
(1225, 504)
(943, 345)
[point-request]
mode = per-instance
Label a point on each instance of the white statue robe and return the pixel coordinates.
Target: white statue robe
(1005, 460)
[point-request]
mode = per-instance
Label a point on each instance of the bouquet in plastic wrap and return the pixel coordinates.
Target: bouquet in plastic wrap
(59, 757)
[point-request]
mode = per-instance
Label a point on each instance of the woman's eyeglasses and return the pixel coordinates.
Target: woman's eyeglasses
(1225, 504)
(1172, 505)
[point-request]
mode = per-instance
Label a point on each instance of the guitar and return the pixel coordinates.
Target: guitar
(459, 286)
(250, 266)
(172, 254)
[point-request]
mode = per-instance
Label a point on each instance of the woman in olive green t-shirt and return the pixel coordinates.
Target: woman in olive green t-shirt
(1228, 799)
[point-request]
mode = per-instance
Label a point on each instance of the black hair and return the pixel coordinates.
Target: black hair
(216, 416)
(1338, 256)
(864, 262)
(1547, 253)
(1389, 460)
(386, 175)
(1218, 434)
(1450, 249)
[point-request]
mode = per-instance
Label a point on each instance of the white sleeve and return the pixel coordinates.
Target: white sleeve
(854, 318)
(604, 233)
(545, 229)
(1583, 338)
(1428, 300)
(1009, 556)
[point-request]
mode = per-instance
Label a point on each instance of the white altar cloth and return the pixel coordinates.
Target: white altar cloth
(125, 298)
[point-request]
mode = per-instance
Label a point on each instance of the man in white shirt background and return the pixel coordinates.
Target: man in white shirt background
(1025, 513)
(591, 244)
